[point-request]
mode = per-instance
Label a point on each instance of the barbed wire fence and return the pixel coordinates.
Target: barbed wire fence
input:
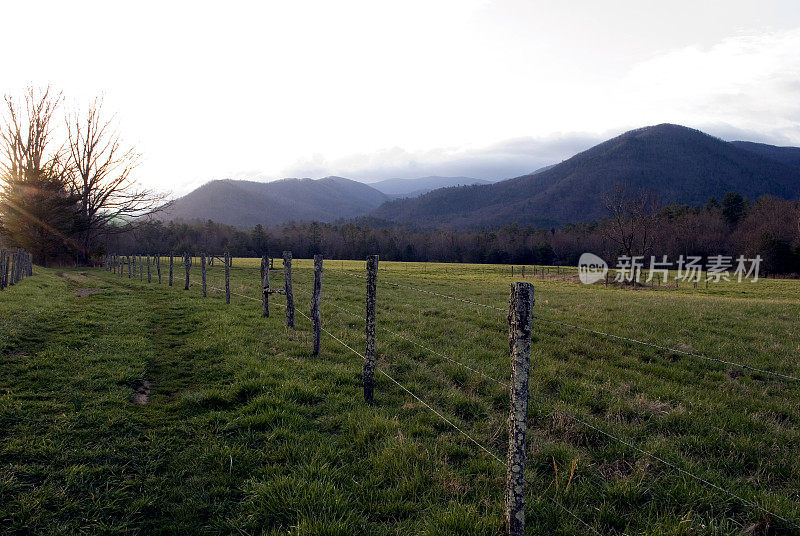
(515, 463)
(15, 265)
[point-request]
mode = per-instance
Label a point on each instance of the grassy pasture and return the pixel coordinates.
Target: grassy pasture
(243, 432)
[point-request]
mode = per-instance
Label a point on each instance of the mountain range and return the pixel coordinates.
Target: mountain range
(678, 164)
(401, 188)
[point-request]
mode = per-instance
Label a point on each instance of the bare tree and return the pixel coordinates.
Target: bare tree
(102, 180)
(26, 135)
(37, 210)
(631, 219)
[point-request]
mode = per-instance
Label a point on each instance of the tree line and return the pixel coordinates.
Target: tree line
(66, 179)
(734, 225)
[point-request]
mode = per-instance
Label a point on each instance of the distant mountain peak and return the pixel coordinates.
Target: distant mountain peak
(677, 163)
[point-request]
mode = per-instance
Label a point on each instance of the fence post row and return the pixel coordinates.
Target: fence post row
(369, 352)
(203, 272)
(227, 277)
(265, 285)
(187, 262)
(287, 288)
(15, 266)
(316, 316)
(520, 317)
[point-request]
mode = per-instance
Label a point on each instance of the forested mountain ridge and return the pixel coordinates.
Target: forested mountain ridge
(787, 155)
(398, 188)
(676, 163)
(248, 203)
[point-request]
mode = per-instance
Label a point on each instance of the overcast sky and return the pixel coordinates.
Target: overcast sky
(372, 89)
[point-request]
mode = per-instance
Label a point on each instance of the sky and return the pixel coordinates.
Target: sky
(373, 90)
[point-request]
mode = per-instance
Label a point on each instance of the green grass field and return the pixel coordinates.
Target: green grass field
(243, 432)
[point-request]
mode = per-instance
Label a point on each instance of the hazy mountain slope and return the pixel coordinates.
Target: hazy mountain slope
(677, 163)
(787, 155)
(246, 203)
(421, 185)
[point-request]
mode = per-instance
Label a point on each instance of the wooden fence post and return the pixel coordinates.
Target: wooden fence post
(171, 255)
(130, 267)
(2, 269)
(287, 288)
(265, 285)
(141, 271)
(227, 277)
(520, 316)
(203, 272)
(369, 353)
(158, 268)
(187, 264)
(149, 274)
(316, 316)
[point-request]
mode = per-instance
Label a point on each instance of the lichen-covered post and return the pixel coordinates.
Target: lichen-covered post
(316, 316)
(287, 288)
(187, 263)
(369, 353)
(203, 272)
(171, 255)
(265, 285)
(227, 277)
(520, 315)
(263, 267)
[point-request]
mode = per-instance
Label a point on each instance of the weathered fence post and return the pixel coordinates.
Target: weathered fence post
(141, 271)
(316, 316)
(263, 267)
(158, 268)
(171, 255)
(149, 274)
(203, 272)
(287, 288)
(369, 352)
(130, 267)
(227, 277)
(520, 316)
(265, 285)
(2, 269)
(187, 262)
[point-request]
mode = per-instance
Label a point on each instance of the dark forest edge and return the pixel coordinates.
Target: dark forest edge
(734, 225)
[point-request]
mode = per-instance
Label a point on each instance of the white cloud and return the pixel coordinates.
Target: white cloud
(374, 89)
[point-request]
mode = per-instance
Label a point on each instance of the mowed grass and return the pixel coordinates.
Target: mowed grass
(244, 432)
